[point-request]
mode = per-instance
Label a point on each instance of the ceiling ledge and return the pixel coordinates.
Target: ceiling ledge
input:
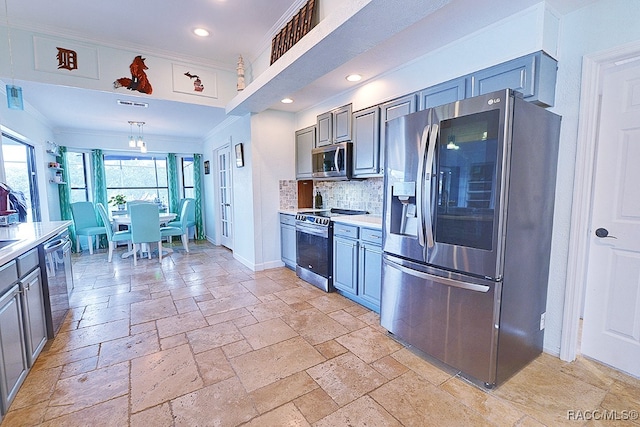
(350, 30)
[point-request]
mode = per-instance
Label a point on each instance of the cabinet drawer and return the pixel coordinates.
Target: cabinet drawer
(370, 235)
(27, 262)
(287, 219)
(8, 276)
(344, 230)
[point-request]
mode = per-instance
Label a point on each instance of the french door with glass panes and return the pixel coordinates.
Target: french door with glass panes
(225, 223)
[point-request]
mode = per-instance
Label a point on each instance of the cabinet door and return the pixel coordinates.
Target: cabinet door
(288, 245)
(391, 110)
(33, 312)
(345, 264)
(366, 142)
(325, 129)
(532, 75)
(342, 124)
(443, 93)
(370, 273)
(305, 142)
(13, 363)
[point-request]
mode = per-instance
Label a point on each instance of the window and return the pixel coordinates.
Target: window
(138, 178)
(77, 176)
(20, 173)
(188, 190)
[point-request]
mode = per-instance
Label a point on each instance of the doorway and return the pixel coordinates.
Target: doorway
(224, 197)
(19, 163)
(603, 281)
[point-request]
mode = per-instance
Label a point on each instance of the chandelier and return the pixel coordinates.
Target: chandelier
(137, 142)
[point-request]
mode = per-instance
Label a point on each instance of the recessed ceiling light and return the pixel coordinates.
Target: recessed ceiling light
(201, 32)
(354, 77)
(287, 101)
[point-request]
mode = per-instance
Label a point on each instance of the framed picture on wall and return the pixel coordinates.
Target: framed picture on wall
(239, 156)
(207, 168)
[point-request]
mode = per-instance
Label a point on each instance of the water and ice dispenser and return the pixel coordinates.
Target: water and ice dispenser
(403, 209)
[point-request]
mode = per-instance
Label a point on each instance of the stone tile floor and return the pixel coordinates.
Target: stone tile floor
(200, 340)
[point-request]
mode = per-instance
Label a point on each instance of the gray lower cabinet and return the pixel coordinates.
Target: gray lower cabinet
(35, 324)
(288, 240)
(13, 355)
(305, 142)
(370, 266)
(357, 264)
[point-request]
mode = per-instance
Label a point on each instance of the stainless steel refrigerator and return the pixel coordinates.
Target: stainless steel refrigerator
(467, 221)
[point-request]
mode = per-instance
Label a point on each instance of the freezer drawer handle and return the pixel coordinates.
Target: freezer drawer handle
(442, 280)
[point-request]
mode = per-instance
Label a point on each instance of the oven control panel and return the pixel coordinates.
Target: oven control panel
(313, 219)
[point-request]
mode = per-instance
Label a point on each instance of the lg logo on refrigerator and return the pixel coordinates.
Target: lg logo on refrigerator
(493, 101)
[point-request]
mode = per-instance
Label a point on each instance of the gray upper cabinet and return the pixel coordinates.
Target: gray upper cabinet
(334, 126)
(392, 110)
(443, 93)
(366, 142)
(305, 142)
(342, 124)
(325, 129)
(533, 75)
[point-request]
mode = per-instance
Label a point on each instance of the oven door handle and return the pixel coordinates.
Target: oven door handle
(316, 231)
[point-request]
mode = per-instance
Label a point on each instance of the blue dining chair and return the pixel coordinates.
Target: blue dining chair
(179, 228)
(191, 215)
(145, 228)
(113, 237)
(86, 224)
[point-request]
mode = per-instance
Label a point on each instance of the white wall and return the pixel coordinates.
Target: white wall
(597, 27)
(233, 131)
(111, 64)
(273, 159)
(269, 156)
(521, 34)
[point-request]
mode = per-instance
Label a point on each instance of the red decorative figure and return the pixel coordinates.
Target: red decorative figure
(138, 80)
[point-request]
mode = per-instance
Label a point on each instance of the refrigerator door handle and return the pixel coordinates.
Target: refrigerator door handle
(442, 280)
(420, 182)
(433, 136)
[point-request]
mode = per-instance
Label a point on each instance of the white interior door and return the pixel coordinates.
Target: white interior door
(611, 325)
(225, 224)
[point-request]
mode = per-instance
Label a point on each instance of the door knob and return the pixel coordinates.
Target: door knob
(603, 232)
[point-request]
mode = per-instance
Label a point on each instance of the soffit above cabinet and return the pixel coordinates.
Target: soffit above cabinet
(368, 36)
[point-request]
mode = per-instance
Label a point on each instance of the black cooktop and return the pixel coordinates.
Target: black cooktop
(333, 212)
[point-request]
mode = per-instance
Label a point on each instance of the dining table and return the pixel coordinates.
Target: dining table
(119, 220)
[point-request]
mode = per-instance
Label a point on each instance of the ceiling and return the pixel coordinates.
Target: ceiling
(236, 26)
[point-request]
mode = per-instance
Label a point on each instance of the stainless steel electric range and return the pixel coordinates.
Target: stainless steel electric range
(314, 246)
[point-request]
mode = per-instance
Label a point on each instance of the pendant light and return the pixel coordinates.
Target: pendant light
(132, 140)
(137, 142)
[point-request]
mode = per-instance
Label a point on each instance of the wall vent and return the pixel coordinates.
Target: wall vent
(132, 103)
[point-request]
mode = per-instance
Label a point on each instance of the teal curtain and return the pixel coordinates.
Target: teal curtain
(174, 186)
(197, 184)
(64, 194)
(99, 186)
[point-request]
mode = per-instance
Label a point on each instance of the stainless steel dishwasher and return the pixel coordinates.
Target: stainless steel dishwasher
(55, 256)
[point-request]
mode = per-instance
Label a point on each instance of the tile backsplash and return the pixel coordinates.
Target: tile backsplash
(361, 195)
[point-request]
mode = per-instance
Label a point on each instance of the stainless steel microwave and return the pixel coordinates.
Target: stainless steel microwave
(332, 162)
